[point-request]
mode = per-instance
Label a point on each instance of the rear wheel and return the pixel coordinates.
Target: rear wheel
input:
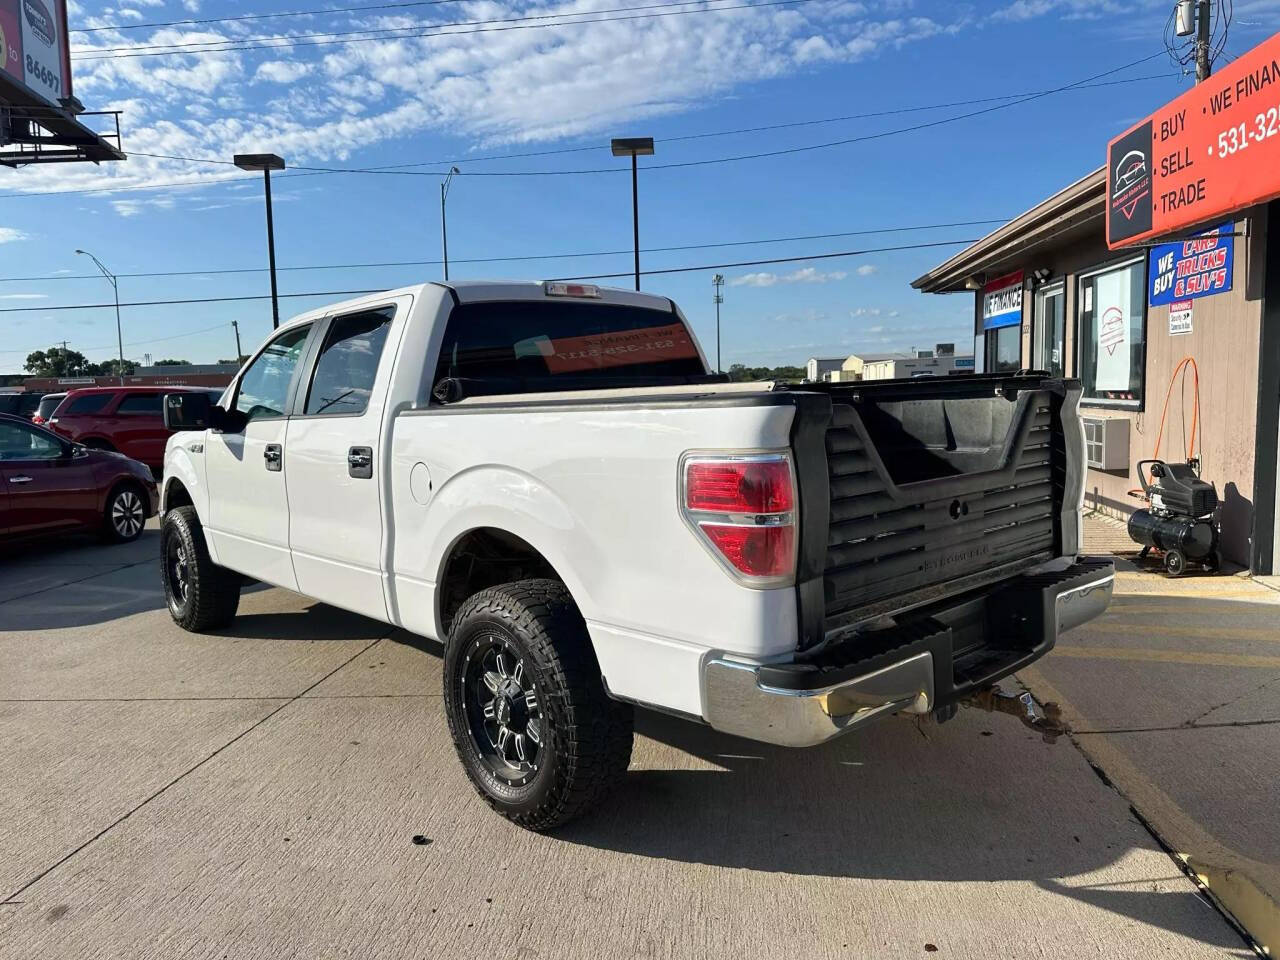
(125, 513)
(1175, 563)
(540, 739)
(200, 594)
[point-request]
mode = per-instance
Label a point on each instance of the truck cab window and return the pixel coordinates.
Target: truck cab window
(348, 363)
(264, 388)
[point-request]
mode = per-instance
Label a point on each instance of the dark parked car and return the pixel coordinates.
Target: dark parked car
(125, 419)
(19, 404)
(48, 403)
(50, 485)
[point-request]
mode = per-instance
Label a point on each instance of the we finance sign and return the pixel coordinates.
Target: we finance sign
(1209, 153)
(1002, 302)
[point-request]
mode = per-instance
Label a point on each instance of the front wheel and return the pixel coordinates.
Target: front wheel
(200, 594)
(125, 514)
(538, 736)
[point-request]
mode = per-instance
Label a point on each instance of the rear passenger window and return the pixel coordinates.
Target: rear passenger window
(348, 363)
(140, 403)
(89, 403)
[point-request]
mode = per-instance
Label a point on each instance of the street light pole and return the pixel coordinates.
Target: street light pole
(444, 227)
(266, 162)
(115, 287)
(236, 327)
(634, 147)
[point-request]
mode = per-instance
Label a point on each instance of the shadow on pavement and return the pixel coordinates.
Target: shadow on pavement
(888, 805)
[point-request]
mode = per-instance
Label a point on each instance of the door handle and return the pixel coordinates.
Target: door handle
(360, 463)
(273, 455)
(19, 479)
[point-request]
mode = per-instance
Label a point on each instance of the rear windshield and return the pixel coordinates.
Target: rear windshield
(49, 404)
(546, 341)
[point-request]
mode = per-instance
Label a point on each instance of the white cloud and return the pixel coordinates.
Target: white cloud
(24, 296)
(503, 87)
(867, 269)
(1021, 10)
(191, 6)
(281, 71)
(803, 275)
(12, 235)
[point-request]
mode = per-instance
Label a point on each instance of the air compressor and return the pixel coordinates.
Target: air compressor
(1180, 521)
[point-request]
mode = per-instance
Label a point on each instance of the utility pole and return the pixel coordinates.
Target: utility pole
(1203, 66)
(718, 283)
(236, 327)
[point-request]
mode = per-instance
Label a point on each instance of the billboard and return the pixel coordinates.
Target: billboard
(1199, 266)
(37, 53)
(1212, 151)
(11, 40)
(1002, 302)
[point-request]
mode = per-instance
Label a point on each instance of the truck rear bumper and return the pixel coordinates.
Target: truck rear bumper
(929, 658)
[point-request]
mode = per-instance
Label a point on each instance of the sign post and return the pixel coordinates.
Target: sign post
(1211, 152)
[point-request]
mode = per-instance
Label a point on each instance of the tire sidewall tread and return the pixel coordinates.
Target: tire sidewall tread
(213, 592)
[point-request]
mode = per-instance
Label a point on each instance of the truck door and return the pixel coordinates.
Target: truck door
(334, 478)
(246, 471)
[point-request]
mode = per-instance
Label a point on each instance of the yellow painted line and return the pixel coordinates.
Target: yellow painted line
(1107, 624)
(1167, 656)
(1247, 888)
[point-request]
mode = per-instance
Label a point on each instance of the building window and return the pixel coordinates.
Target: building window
(1004, 350)
(1049, 328)
(1112, 308)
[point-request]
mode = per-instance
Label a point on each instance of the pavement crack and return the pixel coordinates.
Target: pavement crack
(68, 583)
(127, 814)
(1195, 721)
(1177, 727)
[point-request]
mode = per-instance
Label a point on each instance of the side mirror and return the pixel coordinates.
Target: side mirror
(187, 411)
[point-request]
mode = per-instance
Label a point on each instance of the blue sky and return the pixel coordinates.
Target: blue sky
(473, 95)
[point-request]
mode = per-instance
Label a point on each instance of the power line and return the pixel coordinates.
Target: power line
(787, 151)
(262, 16)
(441, 30)
(388, 33)
(324, 171)
(343, 293)
(521, 258)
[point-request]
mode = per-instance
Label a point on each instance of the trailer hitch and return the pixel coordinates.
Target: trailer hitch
(992, 699)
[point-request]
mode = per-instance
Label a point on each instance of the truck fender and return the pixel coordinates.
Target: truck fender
(517, 503)
(180, 467)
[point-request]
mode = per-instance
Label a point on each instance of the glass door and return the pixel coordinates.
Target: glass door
(1048, 345)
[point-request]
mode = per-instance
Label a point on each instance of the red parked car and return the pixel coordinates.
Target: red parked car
(128, 420)
(49, 485)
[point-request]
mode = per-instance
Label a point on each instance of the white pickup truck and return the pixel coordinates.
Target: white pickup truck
(546, 478)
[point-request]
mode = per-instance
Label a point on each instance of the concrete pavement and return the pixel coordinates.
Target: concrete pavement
(257, 794)
(1175, 695)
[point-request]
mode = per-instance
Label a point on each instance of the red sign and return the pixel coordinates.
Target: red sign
(618, 348)
(10, 40)
(1212, 151)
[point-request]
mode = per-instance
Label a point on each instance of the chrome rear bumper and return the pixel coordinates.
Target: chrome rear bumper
(809, 702)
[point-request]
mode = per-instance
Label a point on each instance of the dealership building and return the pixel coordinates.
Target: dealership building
(1049, 294)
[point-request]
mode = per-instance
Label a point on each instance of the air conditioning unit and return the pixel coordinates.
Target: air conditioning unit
(1106, 443)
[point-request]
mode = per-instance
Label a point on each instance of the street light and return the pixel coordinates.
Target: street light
(115, 287)
(266, 162)
(634, 147)
(444, 229)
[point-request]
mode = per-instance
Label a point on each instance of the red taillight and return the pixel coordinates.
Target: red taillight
(739, 486)
(756, 551)
(744, 509)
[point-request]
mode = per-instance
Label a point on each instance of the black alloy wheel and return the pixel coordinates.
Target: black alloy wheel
(504, 714)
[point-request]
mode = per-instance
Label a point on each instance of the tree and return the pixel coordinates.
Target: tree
(740, 373)
(172, 363)
(58, 362)
(111, 368)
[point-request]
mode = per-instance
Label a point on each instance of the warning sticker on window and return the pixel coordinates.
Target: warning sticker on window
(620, 348)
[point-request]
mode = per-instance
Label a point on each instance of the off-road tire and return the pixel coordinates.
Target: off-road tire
(212, 592)
(131, 500)
(587, 741)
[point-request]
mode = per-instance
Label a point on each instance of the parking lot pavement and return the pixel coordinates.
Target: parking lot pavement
(257, 794)
(1175, 694)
